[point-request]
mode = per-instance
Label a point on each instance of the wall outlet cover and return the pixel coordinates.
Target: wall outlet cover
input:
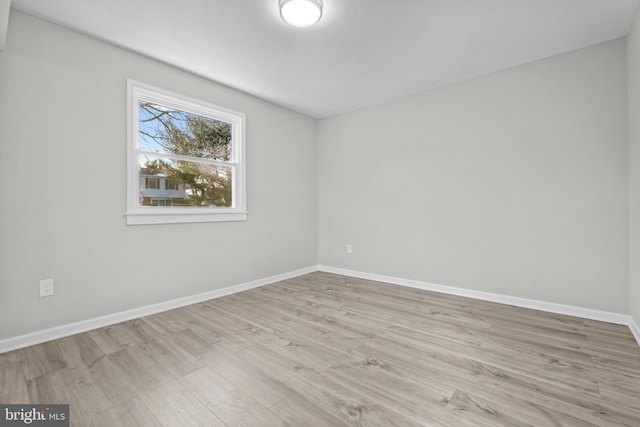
(46, 288)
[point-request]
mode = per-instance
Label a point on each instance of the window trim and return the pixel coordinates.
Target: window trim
(136, 214)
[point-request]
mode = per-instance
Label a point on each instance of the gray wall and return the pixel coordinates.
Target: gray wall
(513, 183)
(633, 58)
(62, 184)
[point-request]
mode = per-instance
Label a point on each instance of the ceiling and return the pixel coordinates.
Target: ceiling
(362, 52)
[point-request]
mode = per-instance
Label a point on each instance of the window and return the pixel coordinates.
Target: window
(152, 183)
(185, 159)
(170, 184)
(161, 202)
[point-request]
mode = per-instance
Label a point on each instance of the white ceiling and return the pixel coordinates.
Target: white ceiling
(362, 52)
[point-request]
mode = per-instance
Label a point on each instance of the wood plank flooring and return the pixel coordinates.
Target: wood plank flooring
(329, 350)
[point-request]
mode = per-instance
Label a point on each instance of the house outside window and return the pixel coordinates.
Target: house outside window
(185, 158)
(160, 190)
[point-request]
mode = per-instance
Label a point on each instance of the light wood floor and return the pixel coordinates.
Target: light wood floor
(328, 350)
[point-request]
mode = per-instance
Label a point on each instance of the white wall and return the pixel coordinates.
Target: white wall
(513, 183)
(633, 62)
(62, 185)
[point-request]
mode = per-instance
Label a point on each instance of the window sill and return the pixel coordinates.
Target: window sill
(166, 216)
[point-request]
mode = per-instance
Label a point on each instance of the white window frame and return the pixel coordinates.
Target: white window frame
(136, 214)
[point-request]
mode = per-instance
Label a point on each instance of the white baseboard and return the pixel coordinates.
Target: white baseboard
(635, 329)
(586, 313)
(26, 340)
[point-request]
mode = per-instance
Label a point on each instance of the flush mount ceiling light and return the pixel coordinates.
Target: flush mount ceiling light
(301, 13)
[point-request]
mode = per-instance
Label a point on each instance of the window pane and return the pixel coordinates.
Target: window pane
(167, 130)
(181, 183)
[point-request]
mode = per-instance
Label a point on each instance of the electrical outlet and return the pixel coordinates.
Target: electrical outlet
(46, 287)
(349, 248)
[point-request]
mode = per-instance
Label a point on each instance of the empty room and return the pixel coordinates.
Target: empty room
(320, 213)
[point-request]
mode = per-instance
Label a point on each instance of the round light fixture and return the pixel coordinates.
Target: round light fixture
(301, 13)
